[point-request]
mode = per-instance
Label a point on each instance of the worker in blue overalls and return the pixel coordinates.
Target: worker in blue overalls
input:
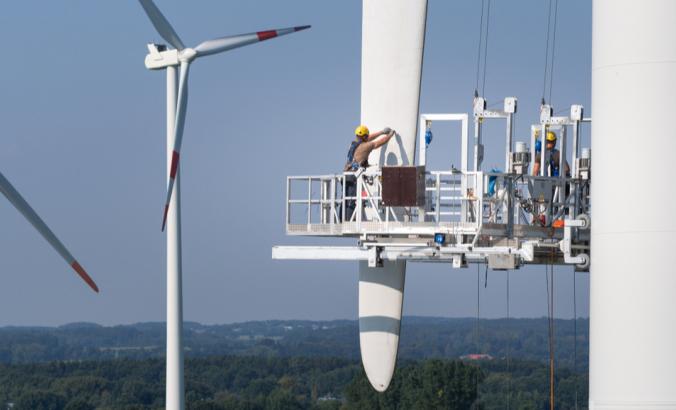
(552, 157)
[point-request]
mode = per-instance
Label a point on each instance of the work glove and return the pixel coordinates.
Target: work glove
(386, 130)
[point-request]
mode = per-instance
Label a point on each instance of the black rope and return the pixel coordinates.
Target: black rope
(550, 312)
(488, 21)
(544, 80)
(476, 328)
(575, 332)
(478, 51)
(509, 352)
(551, 74)
(486, 277)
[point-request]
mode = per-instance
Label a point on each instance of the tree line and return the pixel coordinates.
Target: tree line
(244, 382)
(421, 338)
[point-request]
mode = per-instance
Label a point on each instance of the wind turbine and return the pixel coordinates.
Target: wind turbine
(160, 57)
(22, 206)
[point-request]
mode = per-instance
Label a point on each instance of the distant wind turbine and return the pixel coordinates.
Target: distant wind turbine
(22, 206)
(177, 100)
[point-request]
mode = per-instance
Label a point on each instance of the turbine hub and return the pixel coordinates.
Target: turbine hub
(187, 55)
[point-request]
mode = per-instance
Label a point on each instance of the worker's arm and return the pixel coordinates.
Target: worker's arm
(377, 134)
(536, 166)
(383, 140)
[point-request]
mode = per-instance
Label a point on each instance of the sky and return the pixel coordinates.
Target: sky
(83, 139)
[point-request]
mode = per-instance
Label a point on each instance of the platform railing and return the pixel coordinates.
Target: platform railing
(455, 203)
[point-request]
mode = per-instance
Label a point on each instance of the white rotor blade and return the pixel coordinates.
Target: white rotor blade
(161, 24)
(219, 45)
(22, 206)
(178, 134)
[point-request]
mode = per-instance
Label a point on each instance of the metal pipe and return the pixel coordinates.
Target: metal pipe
(508, 145)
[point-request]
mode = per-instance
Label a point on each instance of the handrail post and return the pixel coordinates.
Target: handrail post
(309, 201)
(288, 200)
(359, 204)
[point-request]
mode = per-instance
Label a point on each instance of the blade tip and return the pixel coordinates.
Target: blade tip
(83, 274)
(300, 28)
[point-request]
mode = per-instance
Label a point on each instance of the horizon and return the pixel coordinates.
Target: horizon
(185, 322)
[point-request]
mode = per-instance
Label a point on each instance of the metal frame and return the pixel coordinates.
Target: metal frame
(550, 122)
(477, 224)
(480, 114)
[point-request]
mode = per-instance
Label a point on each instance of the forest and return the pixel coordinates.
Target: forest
(295, 365)
(245, 382)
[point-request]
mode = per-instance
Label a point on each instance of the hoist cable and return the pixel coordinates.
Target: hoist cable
(549, 270)
(544, 79)
(478, 52)
(476, 327)
(488, 24)
(575, 331)
(551, 73)
(509, 352)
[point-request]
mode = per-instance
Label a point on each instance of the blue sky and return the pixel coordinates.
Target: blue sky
(83, 140)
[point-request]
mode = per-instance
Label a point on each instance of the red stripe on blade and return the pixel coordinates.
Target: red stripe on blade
(174, 165)
(265, 35)
(80, 271)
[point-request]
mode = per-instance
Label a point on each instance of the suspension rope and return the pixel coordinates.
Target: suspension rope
(575, 332)
(476, 326)
(478, 51)
(482, 48)
(509, 352)
(548, 72)
(549, 281)
(544, 79)
(488, 21)
(551, 74)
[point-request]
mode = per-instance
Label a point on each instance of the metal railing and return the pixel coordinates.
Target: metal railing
(455, 203)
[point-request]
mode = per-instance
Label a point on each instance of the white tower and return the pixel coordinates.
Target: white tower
(633, 280)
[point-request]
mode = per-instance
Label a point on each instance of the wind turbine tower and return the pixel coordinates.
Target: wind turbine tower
(633, 318)
(160, 57)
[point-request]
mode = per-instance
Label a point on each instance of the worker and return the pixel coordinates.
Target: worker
(553, 161)
(357, 157)
(552, 156)
(364, 143)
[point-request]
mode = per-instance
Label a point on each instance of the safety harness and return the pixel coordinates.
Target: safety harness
(554, 168)
(354, 165)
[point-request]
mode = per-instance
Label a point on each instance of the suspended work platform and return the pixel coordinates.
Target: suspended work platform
(457, 216)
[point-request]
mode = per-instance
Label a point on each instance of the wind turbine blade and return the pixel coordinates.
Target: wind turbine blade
(178, 134)
(219, 45)
(22, 206)
(161, 24)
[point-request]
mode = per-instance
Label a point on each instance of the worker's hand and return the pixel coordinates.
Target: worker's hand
(386, 130)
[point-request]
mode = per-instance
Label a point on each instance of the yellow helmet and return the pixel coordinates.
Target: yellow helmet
(361, 131)
(551, 136)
